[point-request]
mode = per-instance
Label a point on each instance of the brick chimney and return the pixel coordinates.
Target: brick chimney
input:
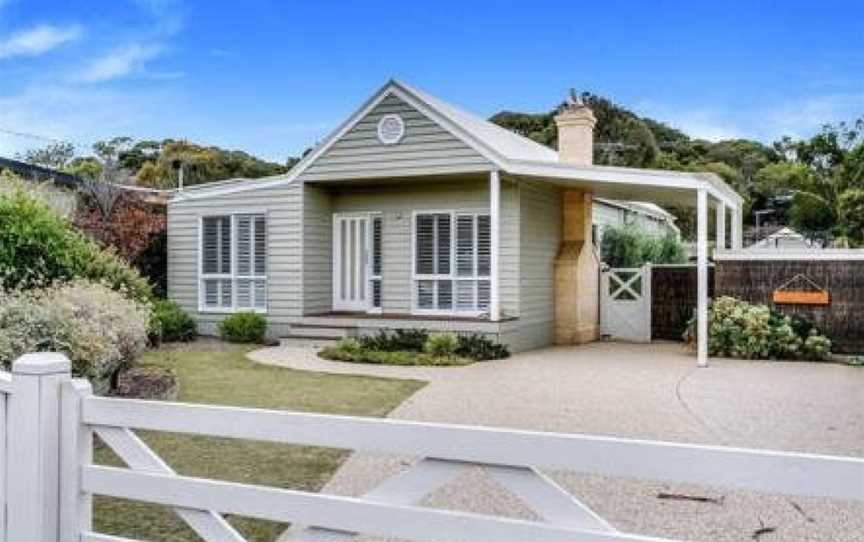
(575, 122)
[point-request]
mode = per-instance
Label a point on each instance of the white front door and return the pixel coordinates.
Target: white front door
(351, 262)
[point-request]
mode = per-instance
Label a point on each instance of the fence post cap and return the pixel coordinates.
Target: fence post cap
(42, 363)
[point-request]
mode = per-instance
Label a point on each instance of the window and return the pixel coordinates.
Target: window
(377, 261)
(452, 262)
(234, 262)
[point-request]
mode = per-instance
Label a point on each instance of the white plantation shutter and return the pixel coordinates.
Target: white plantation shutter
(244, 244)
(216, 252)
(377, 260)
(452, 267)
(484, 245)
(465, 245)
(244, 287)
(260, 245)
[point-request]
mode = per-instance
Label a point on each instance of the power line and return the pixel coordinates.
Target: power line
(39, 137)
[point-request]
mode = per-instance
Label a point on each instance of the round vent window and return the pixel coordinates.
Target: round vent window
(391, 129)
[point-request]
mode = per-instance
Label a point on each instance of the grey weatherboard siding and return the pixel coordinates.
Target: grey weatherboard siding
(426, 149)
(300, 218)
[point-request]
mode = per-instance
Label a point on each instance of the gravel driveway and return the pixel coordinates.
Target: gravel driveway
(642, 391)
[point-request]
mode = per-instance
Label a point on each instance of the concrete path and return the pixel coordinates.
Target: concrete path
(641, 391)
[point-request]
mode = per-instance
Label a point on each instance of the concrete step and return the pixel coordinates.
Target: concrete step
(319, 332)
(301, 342)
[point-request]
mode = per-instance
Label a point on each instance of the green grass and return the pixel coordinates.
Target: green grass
(229, 378)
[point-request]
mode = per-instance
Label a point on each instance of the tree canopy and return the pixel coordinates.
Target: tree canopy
(805, 183)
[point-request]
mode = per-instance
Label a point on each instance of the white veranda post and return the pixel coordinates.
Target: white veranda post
(737, 227)
(721, 226)
(702, 277)
(495, 241)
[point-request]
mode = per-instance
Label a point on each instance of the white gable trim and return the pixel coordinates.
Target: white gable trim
(392, 88)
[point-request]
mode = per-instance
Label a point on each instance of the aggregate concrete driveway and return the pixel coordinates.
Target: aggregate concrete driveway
(642, 391)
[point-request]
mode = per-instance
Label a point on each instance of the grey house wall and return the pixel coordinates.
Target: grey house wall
(397, 203)
(426, 149)
(540, 232)
(283, 206)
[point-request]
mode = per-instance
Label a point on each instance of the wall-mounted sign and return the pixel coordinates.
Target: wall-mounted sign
(391, 129)
(801, 290)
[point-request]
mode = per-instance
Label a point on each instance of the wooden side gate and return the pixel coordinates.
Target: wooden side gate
(53, 419)
(625, 303)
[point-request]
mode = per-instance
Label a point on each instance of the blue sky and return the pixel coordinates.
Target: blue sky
(272, 78)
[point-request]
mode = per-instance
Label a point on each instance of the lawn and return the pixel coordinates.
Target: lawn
(229, 378)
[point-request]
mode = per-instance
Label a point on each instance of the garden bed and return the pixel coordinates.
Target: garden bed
(416, 347)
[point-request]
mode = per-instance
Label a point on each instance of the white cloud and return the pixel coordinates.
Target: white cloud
(82, 114)
(119, 62)
(38, 40)
(796, 117)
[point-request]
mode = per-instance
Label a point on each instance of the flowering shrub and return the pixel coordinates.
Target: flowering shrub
(39, 247)
(99, 329)
(737, 329)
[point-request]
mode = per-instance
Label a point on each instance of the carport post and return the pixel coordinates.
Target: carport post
(702, 277)
(495, 241)
(721, 226)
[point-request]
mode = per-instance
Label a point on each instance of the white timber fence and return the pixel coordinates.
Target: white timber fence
(49, 422)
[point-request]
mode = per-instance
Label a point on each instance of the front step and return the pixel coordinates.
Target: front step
(333, 333)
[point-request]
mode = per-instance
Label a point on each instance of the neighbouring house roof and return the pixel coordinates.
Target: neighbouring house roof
(31, 172)
(506, 150)
(39, 173)
(784, 238)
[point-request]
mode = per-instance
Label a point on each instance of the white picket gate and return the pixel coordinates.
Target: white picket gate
(625, 303)
(52, 421)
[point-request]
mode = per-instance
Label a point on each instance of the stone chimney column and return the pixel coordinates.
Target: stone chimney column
(575, 122)
(577, 268)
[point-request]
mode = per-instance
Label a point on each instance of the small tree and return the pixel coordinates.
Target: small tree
(629, 247)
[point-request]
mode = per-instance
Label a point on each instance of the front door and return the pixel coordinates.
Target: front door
(351, 262)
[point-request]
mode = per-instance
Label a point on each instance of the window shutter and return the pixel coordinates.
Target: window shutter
(465, 245)
(244, 245)
(425, 245)
(376, 245)
(484, 245)
(260, 245)
(225, 245)
(216, 250)
(442, 223)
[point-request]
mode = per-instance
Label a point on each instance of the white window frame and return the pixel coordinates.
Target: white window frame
(234, 276)
(453, 276)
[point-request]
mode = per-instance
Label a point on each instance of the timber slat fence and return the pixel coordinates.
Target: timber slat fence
(49, 421)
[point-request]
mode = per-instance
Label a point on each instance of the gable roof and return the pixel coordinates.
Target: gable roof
(509, 145)
(506, 150)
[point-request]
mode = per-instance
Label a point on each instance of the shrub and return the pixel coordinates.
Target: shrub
(100, 330)
(171, 323)
(630, 247)
(243, 327)
(739, 329)
(400, 339)
(481, 348)
(39, 247)
(441, 344)
(353, 351)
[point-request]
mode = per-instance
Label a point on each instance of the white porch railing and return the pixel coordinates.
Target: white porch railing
(53, 419)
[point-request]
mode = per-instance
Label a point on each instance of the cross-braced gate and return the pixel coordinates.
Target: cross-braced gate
(625, 303)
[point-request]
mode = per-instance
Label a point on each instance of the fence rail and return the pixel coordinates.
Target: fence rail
(51, 487)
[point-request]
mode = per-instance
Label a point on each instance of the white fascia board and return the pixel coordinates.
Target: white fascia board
(774, 254)
(627, 176)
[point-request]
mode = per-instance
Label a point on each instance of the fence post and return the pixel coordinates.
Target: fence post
(34, 447)
(76, 451)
